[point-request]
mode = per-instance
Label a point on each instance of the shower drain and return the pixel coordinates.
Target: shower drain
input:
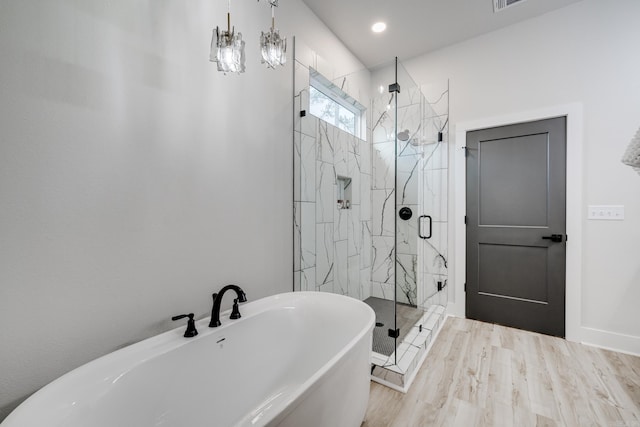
(379, 324)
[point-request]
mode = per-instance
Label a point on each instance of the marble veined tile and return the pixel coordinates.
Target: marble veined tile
(410, 94)
(309, 123)
(325, 141)
(366, 244)
(383, 213)
(307, 235)
(407, 180)
(406, 268)
(326, 287)
(324, 254)
(353, 269)
(409, 118)
(340, 224)
(435, 250)
(354, 231)
(365, 197)
(409, 148)
(436, 155)
(341, 272)
(379, 104)
(353, 172)
(340, 151)
(430, 294)
(437, 97)
(383, 260)
(383, 127)
(307, 168)
(325, 192)
(407, 235)
(435, 193)
(307, 279)
(365, 157)
(365, 283)
(432, 126)
(383, 165)
(354, 144)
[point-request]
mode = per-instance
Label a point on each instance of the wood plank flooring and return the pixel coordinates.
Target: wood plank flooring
(479, 374)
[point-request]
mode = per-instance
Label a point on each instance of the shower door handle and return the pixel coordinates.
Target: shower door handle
(420, 226)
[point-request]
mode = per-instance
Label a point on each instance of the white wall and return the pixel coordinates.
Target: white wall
(135, 179)
(585, 53)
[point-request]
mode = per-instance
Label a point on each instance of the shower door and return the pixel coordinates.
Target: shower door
(412, 224)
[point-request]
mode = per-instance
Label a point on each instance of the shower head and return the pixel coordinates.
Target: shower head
(404, 135)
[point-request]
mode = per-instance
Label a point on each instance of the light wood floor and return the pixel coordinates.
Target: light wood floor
(478, 374)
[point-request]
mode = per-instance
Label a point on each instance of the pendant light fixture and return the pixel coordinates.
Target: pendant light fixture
(227, 48)
(272, 47)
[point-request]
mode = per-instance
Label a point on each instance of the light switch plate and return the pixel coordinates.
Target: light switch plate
(606, 212)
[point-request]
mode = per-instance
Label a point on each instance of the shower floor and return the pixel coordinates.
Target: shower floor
(407, 316)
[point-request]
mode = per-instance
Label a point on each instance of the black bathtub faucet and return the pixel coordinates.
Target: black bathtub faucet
(217, 301)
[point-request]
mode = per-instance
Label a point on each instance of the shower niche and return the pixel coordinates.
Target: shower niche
(370, 211)
(343, 185)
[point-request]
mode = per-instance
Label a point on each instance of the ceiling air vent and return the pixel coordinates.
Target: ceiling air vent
(499, 5)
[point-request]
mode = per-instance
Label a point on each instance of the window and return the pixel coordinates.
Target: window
(329, 103)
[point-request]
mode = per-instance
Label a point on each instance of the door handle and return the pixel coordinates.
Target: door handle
(420, 226)
(554, 238)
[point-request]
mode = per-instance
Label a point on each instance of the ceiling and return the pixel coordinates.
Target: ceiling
(415, 27)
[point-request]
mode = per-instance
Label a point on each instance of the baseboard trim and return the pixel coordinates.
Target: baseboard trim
(613, 341)
(621, 343)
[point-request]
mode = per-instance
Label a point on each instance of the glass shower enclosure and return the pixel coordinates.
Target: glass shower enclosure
(370, 210)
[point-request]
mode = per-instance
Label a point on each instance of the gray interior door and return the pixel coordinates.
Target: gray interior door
(516, 225)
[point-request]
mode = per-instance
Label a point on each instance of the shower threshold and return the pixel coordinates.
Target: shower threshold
(399, 372)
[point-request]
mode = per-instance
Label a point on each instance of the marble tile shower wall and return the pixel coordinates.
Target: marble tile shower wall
(332, 247)
(334, 243)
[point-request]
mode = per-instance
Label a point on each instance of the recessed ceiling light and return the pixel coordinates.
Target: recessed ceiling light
(378, 27)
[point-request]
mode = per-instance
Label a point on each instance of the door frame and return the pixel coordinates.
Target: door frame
(574, 213)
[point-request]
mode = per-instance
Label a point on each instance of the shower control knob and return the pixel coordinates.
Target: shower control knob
(405, 213)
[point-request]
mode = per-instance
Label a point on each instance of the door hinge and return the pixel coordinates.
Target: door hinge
(465, 286)
(465, 220)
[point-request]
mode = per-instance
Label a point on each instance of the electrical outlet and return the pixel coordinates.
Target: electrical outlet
(606, 212)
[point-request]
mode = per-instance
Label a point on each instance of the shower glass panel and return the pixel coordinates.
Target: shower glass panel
(397, 210)
(409, 206)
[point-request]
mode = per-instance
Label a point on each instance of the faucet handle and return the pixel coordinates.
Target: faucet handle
(191, 325)
(235, 312)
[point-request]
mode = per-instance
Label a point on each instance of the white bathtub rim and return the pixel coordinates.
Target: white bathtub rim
(312, 382)
(306, 388)
(124, 360)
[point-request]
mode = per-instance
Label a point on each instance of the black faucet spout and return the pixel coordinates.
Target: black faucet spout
(217, 302)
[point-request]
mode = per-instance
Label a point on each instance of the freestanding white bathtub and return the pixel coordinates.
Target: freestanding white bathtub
(297, 359)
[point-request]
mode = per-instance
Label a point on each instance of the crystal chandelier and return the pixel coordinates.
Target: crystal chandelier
(272, 47)
(227, 48)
